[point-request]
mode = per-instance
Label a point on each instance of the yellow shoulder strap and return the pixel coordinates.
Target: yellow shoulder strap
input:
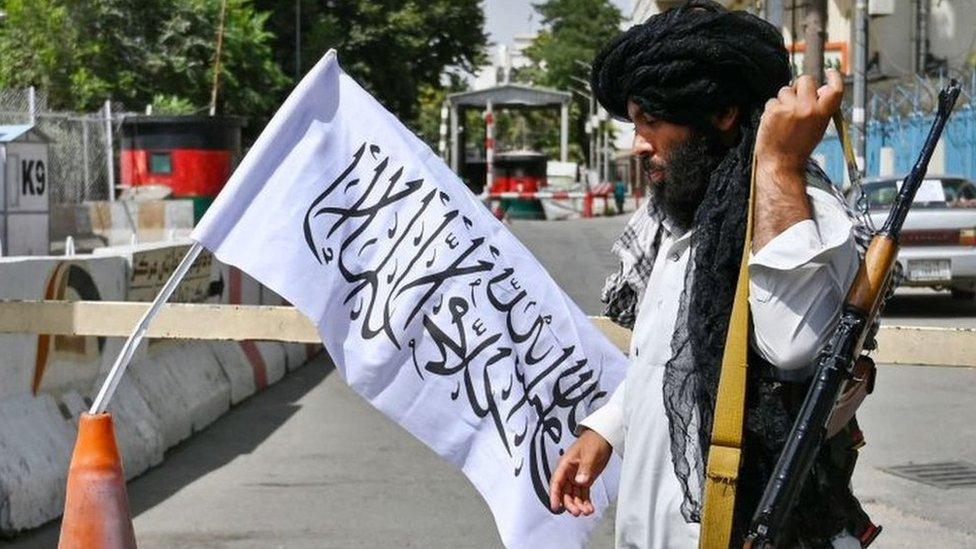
(725, 451)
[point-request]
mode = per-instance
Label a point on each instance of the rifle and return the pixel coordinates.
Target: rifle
(836, 361)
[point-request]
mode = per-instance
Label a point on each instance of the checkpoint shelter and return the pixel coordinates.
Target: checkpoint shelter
(25, 203)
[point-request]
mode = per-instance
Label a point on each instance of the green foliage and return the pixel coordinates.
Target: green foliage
(574, 30)
(161, 52)
(398, 49)
(430, 101)
(172, 105)
(85, 51)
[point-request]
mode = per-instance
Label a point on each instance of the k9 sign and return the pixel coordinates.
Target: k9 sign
(27, 178)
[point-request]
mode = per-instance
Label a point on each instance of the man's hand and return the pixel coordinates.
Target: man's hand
(794, 121)
(577, 469)
(791, 126)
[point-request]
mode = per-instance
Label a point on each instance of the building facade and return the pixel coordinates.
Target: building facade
(904, 36)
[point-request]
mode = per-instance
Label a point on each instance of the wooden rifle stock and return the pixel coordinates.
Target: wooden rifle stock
(873, 275)
(836, 361)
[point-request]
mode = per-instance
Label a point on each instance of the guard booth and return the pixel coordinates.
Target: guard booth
(191, 155)
(521, 172)
(25, 204)
(508, 96)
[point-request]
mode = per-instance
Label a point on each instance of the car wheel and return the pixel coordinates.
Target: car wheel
(965, 295)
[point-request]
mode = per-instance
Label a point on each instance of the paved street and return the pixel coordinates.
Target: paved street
(308, 464)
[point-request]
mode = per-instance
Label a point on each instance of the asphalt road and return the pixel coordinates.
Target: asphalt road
(308, 464)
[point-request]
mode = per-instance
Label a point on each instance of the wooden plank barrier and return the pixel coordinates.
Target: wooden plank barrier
(926, 346)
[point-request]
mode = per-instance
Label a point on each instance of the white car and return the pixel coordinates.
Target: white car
(938, 240)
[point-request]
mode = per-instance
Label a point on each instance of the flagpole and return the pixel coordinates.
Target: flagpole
(125, 355)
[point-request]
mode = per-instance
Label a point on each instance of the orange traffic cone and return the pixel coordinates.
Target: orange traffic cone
(96, 508)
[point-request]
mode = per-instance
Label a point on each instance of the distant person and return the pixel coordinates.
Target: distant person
(706, 88)
(619, 193)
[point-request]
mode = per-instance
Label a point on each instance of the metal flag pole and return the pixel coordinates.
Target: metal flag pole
(125, 355)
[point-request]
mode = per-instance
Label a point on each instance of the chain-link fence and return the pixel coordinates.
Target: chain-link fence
(80, 156)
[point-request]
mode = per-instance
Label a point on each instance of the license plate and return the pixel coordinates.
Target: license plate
(938, 270)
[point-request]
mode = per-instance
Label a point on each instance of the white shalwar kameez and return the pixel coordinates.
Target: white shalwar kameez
(797, 283)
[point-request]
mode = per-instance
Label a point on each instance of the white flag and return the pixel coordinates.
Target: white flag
(429, 307)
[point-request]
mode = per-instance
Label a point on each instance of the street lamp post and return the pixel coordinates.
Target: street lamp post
(605, 130)
(592, 155)
(858, 114)
(592, 124)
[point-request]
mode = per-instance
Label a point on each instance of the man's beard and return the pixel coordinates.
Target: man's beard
(686, 176)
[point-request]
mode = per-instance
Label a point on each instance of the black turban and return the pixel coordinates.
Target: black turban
(691, 61)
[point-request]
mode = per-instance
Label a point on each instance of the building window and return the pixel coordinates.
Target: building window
(161, 163)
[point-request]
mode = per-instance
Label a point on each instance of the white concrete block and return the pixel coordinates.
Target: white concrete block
(274, 360)
(296, 355)
(200, 380)
(164, 394)
(236, 367)
(35, 447)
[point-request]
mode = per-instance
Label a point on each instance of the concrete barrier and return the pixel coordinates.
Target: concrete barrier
(98, 223)
(238, 369)
(35, 445)
(172, 389)
(926, 346)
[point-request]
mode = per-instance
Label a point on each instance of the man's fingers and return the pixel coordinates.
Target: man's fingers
(555, 492)
(831, 94)
(570, 500)
(587, 506)
(569, 505)
(561, 479)
(579, 502)
(806, 88)
(835, 80)
(786, 94)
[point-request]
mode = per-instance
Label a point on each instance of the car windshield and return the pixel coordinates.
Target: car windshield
(933, 193)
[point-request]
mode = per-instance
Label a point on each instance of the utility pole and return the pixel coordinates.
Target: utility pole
(220, 45)
(298, 40)
(594, 138)
(921, 35)
(815, 35)
(32, 105)
(773, 12)
(598, 152)
(860, 100)
(592, 125)
(605, 126)
(109, 152)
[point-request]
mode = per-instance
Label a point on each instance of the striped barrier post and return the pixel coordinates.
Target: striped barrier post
(586, 196)
(489, 147)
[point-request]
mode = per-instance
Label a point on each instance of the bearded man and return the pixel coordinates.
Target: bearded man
(705, 89)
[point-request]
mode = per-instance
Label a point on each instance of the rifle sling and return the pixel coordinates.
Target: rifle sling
(725, 450)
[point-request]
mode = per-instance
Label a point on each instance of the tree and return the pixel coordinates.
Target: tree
(430, 101)
(396, 49)
(83, 52)
(573, 32)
